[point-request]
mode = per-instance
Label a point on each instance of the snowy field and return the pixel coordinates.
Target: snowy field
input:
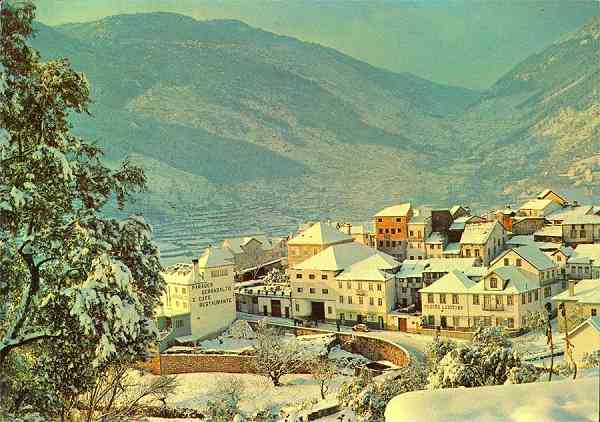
(196, 389)
(563, 401)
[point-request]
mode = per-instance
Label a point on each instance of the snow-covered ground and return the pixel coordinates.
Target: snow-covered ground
(196, 389)
(563, 401)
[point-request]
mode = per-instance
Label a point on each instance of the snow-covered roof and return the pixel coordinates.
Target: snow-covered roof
(515, 279)
(320, 234)
(570, 212)
(436, 237)
(412, 268)
(453, 282)
(401, 210)
(543, 194)
(537, 204)
(586, 253)
(215, 257)
(531, 254)
(452, 248)
(367, 270)
(419, 219)
(565, 250)
(454, 209)
(552, 230)
(357, 228)
(583, 219)
(593, 322)
(343, 255)
(520, 240)
(444, 265)
(479, 233)
(585, 291)
(558, 401)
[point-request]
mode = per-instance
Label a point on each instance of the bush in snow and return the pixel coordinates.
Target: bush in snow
(225, 407)
(323, 372)
(368, 397)
(77, 289)
(488, 360)
(240, 329)
(436, 350)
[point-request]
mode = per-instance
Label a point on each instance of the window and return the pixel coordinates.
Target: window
(359, 286)
(323, 276)
(311, 276)
(341, 299)
(300, 289)
(349, 300)
(411, 233)
(511, 323)
(476, 252)
(404, 289)
(468, 252)
(298, 275)
(371, 301)
(380, 302)
(360, 300)
(506, 262)
(536, 295)
(582, 233)
(387, 230)
(594, 312)
(509, 300)
(380, 220)
(342, 316)
(183, 290)
(297, 307)
(499, 300)
(455, 321)
(429, 297)
(393, 231)
(493, 283)
(398, 220)
(455, 299)
(442, 298)
(378, 287)
(558, 258)
(340, 284)
(475, 299)
(325, 291)
(381, 243)
(393, 243)
(523, 299)
(519, 262)
(329, 310)
(371, 286)
(387, 243)
(529, 297)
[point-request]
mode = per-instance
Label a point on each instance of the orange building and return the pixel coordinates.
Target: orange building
(391, 229)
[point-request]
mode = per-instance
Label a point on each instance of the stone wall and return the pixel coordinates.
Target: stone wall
(180, 363)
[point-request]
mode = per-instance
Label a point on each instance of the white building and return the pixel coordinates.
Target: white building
(204, 290)
(483, 241)
(584, 262)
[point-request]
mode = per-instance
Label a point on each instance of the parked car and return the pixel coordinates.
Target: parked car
(360, 327)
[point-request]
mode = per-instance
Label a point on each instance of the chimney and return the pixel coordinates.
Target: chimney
(348, 225)
(195, 269)
(571, 288)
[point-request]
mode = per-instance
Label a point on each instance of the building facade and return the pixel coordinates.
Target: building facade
(391, 226)
(313, 240)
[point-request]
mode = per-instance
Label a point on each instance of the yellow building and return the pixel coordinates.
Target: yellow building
(313, 240)
(581, 300)
(349, 282)
(483, 241)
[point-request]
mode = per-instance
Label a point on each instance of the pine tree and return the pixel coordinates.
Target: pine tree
(77, 289)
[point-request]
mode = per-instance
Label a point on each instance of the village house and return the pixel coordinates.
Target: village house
(200, 295)
(253, 252)
(584, 262)
(274, 300)
(414, 275)
(581, 229)
(538, 208)
(391, 225)
(585, 338)
(483, 241)
(441, 220)
(580, 301)
(313, 240)
(434, 245)
(365, 291)
(532, 260)
(505, 296)
(549, 194)
(549, 233)
(457, 227)
(568, 212)
(361, 232)
(419, 228)
(527, 225)
(503, 216)
(560, 256)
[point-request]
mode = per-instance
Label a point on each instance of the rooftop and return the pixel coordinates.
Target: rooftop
(531, 254)
(552, 231)
(585, 291)
(478, 233)
(452, 248)
(586, 253)
(215, 257)
(343, 255)
(536, 204)
(436, 237)
(367, 270)
(515, 280)
(395, 211)
(583, 219)
(320, 234)
(570, 212)
(453, 282)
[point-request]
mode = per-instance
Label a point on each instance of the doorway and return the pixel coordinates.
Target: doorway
(317, 311)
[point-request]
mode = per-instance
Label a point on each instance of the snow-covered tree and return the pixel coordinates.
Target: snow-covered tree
(436, 350)
(277, 356)
(488, 360)
(368, 396)
(77, 289)
(323, 371)
(276, 276)
(225, 406)
(539, 324)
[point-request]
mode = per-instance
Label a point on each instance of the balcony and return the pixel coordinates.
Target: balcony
(493, 307)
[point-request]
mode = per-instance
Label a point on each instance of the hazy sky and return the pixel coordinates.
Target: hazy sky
(462, 42)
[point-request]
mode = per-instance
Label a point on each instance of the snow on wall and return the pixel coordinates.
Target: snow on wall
(561, 401)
